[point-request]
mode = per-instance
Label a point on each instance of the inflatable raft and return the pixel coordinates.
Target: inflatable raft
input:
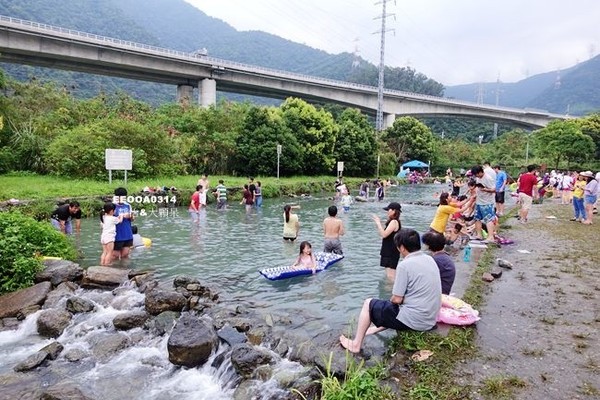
(324, 261)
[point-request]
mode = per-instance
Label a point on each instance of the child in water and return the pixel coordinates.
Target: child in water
(306, 258)
(108, 222)
(346, 201)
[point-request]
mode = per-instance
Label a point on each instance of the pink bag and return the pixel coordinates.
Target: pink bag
(454, 311)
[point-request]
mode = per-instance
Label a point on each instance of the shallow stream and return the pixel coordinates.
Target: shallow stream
(226, 250)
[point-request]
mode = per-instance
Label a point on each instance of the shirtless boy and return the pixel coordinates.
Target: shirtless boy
(333, 227)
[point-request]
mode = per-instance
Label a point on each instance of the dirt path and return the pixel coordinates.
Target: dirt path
(539, 334)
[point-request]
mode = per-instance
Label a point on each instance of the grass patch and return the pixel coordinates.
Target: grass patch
(548, 320)
(533, 352)
(581, 335)
(359, 382)
(588, 389)
(42, 193)
(592, 365)
(43, 187)
(502, 387)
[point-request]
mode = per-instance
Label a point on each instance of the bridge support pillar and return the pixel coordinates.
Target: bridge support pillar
(207, 92)
(185, 94)
(388, 120)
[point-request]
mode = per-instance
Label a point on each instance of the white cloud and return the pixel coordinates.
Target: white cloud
(451, 41)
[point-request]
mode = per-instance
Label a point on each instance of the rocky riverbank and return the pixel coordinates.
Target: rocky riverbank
(108, 311)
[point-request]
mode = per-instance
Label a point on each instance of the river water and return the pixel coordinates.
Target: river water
(226, 250)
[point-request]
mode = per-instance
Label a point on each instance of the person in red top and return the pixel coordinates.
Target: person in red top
(194, 208)
(527, 183)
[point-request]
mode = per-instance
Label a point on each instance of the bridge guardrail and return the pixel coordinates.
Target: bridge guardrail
(126, 44)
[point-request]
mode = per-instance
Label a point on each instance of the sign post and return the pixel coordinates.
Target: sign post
(278, 156)
(118, 159)
(340, 168)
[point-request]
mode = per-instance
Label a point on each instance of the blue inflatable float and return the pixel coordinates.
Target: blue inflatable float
(324, 260)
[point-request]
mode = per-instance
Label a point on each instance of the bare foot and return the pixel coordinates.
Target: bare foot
(349, 344)
(373, 329)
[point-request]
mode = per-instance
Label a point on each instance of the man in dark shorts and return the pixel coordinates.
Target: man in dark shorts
(124, 237)
(62, 216)
(416, 295)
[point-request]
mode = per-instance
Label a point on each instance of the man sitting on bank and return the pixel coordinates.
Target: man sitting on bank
(416, 295)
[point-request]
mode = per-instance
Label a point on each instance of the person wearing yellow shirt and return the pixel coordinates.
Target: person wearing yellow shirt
(578, 206)
(445, 210)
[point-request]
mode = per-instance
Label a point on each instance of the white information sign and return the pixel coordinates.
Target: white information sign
(118, 159)
(340, 168)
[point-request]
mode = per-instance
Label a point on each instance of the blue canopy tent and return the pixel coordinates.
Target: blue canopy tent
(415, 164)
(411, 165)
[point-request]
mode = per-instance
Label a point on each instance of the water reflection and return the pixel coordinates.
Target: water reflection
(228, 248)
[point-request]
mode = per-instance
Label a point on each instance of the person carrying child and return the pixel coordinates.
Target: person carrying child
(306, 258)
(108, 222)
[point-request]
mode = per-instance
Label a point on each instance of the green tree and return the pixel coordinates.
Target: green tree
(590, 126)
(508, 149)
(410, 139)
(262, 131)
(356, 144)
(32, 112)
(316, 133)
(563, 140)
(206, 136)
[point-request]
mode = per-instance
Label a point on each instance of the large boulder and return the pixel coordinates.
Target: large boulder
(12, 304)
(63, 391)
(183, 281)
(58, 271)
(53, 350)
(49, 352)
(52, 323)
(130, 320)
(246, 358)
(31, 362)
(162, 323)
(192, 341)
(104, 277)
(78, 304)
(105, 345)
(231, 336)
(158, 301)
(62, 291)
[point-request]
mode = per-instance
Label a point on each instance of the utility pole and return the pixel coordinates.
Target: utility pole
(383, 17)
(480, 94)
(497, 103)
(379, 117)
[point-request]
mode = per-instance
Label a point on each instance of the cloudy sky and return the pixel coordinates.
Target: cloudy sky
(451, 41)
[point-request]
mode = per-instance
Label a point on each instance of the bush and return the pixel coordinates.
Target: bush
(79, 152)
(23, 241)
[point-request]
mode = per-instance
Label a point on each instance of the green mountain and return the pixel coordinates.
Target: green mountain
(574, 91)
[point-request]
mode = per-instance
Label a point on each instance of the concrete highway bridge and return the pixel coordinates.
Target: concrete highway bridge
(32, 43)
